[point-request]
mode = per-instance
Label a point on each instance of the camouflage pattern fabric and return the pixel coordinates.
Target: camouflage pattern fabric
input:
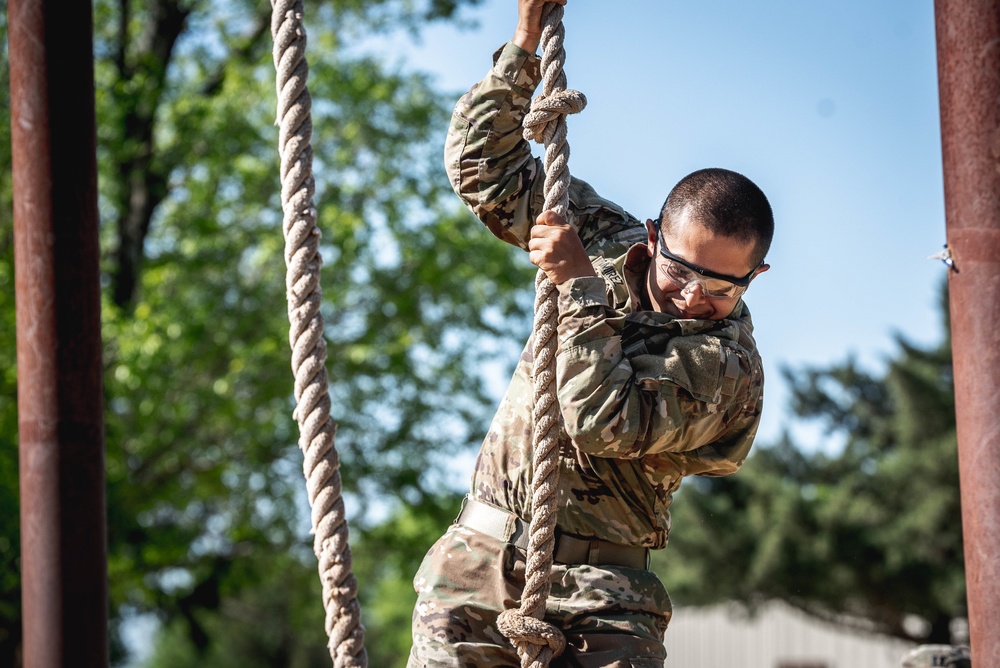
(612, 617)
(646, 398)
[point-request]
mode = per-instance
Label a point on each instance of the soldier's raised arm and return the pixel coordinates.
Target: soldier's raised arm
(489, 163)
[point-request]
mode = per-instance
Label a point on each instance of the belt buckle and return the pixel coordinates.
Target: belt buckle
(593, 552)
(519, 533)
(556, 541)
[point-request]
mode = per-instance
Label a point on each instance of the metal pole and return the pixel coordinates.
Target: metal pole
(61, 433)
(968, 38)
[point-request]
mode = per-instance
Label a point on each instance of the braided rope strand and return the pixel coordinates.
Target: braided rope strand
(321, 464)
(537, 641)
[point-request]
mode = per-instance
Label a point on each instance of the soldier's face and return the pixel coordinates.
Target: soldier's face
(697, 245)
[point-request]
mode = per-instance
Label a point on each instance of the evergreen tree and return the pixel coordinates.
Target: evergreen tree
(865, 525)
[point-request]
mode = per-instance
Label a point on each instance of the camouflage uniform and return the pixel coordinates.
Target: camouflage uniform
(646, 399)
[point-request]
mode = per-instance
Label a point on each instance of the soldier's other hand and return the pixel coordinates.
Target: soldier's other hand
(556, 249)
(529, 23)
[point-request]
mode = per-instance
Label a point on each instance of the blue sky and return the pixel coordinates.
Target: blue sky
(830, 107)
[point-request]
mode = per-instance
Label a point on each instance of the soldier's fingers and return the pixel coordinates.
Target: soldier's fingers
(547, 244)
(538, 258)
(550, 217)
(551, 233)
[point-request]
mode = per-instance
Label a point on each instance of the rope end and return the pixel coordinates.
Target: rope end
(520, 629)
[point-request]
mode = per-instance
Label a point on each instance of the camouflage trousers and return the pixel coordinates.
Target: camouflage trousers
(612, 617)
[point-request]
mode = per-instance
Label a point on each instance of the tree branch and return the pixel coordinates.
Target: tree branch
(245, 49)
(143, 185)
(123, 20)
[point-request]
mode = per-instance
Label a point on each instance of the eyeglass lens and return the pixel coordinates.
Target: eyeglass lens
(712, 287)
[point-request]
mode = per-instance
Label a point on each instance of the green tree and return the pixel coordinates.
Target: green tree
(278, 621)
(275, 622)
(868, 528)
(203, 475)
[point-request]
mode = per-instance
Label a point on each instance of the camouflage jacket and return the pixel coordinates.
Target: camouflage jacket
(646, 398)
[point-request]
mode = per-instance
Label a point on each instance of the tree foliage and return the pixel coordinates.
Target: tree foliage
(203, 475)
(867, 527)
(277, 621)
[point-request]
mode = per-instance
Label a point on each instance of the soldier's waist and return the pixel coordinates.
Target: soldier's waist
(507, 527)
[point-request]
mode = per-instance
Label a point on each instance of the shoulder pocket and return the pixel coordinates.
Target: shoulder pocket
(696, 364)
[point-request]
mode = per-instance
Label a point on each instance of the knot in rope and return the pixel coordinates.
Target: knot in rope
(541, 121)
(521, 629)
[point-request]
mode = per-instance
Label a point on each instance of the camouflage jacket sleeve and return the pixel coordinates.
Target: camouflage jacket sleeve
(491, 167)
(489, 163)
(632, 385)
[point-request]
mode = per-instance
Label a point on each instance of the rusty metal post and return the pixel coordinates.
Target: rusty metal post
(60, 405)
(968, 39)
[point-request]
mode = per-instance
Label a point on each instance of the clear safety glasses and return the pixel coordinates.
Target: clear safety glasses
(686, 275)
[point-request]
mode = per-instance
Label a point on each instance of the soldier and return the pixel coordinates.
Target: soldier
(658, 377)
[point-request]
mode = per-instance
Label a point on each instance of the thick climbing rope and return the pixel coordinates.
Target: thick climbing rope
(538, 641)
(321, 464)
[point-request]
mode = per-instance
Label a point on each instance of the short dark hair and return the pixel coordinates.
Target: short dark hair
(727, 203)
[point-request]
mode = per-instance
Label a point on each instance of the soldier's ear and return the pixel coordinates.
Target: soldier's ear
(650, 238)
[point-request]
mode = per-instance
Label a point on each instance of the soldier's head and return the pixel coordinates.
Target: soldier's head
(709, 242)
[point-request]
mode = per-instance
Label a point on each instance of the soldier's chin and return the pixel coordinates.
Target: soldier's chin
(696, 313)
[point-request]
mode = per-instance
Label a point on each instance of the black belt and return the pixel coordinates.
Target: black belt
(507, 527)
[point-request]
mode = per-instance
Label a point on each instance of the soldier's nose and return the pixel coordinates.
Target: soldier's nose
(693, 294)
